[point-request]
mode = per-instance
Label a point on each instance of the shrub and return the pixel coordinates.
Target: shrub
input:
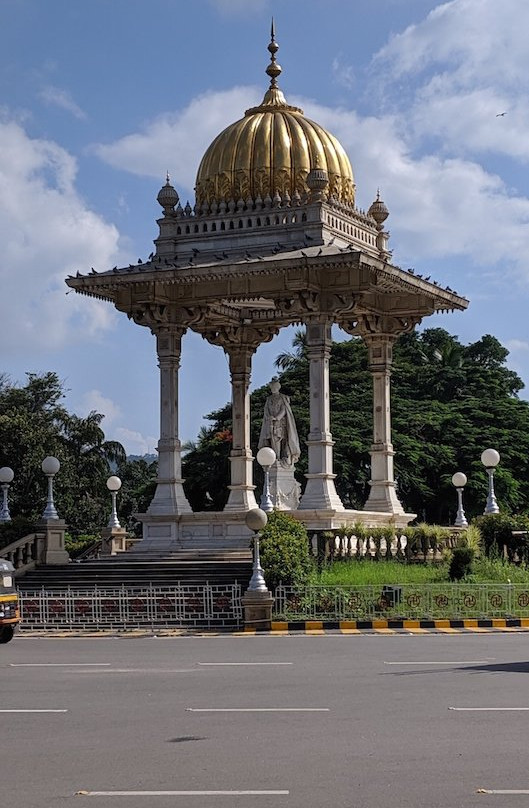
(16, 528)
(76, 546)
(285, 551)
(497, 530)
(461, 563)
(471, 537)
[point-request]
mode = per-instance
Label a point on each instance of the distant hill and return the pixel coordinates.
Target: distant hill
(149, 458)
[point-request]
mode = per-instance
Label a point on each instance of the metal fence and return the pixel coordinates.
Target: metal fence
(219, 605)
(194, 606)
(431, 601)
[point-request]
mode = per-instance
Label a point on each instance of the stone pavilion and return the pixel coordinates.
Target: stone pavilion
(274, 239)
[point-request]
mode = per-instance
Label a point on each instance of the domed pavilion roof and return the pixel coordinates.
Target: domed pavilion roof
(271, 150)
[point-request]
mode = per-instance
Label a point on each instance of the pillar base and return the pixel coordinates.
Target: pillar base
(241, 498)
(169, 499)
(257, 610)
(114, 540)
(320, 494)
(54, 552)
(383, 498)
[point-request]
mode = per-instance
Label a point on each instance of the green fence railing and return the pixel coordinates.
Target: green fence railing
(397, 601)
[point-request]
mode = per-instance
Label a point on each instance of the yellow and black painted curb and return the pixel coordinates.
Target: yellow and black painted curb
(281, 627)
(308, 627)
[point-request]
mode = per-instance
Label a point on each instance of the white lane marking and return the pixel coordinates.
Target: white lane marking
(179, 793)
(33, 711)
(257, 709)
(502, 791)
(446, 662)
(489, 709)
(144, 670)
(220, 664)
(59, 664)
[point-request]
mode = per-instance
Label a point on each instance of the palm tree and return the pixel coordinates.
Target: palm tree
(288, 359)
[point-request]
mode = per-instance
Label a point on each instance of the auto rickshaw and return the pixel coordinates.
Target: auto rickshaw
(9, 607)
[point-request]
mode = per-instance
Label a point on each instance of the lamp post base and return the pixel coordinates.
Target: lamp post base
(257, 610)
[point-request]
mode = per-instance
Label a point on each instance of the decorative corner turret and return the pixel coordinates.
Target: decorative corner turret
(317, 183)
(379, 212)
(168, 198)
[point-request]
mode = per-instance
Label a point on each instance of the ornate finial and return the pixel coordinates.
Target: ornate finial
(274, 69)
(168, 197)
(273, 97)
(378, 210)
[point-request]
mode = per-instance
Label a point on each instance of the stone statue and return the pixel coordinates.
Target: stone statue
(279, 428)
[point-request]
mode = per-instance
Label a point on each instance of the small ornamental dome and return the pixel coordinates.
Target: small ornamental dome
(378, 210)
(167, 197)
(272, 149)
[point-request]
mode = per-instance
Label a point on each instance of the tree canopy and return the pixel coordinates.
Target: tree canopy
(449, 402)
(34, 424)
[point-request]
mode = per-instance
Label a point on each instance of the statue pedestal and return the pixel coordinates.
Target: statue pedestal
(284, 488)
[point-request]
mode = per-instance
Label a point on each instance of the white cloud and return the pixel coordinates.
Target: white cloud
(57, 97)
(440, 205)
(134, 442)
(176, 142)
(46, 232)
(94, 400)
(457, 69)
(343, 73)
(516, 345)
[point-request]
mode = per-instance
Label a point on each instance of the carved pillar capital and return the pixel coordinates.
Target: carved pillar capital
(369, 324)
(158, 316)
(237, 338)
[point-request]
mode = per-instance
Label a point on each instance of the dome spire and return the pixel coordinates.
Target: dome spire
(274, 69)
(273, 96)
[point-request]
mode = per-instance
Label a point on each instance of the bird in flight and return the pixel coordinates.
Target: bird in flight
(501, 114)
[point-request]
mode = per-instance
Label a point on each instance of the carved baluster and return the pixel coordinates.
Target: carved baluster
(400, 553)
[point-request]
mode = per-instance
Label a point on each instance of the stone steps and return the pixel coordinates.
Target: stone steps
(134, 572)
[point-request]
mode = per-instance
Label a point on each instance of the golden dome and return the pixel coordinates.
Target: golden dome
(270, 150)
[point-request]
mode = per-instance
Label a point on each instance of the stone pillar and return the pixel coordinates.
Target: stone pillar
(320, 492)
(169, 498)
(383, 496)
(241, 497)
(54, 551)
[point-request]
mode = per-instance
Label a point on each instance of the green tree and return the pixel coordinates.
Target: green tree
(34, 424)
(449, 402)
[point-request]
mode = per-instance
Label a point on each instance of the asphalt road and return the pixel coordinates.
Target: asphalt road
(367, 721)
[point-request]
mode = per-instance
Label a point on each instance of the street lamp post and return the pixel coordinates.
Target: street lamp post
(6, 477)
(459, 480)
(256, 520)
(490, 459)
(257, 601)
(266, 457)
(113, 485)
(50, 467)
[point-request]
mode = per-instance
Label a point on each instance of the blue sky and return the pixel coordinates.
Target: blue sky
(99, 99)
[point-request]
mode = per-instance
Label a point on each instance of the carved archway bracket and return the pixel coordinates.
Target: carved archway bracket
(157, 315)
(370, 324)
(232, 337)
(305, 304)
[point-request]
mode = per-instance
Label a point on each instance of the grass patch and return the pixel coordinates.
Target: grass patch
(365, 573)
